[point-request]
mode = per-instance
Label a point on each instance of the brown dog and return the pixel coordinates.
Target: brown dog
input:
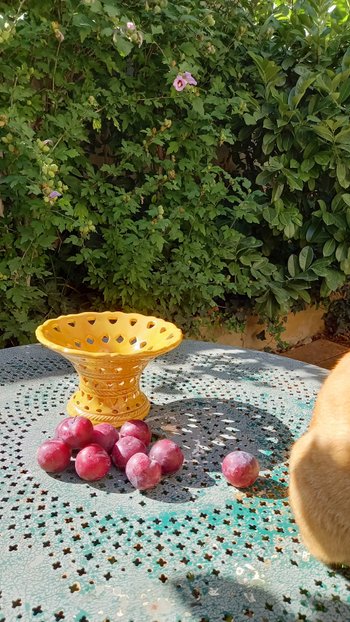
(319, 488)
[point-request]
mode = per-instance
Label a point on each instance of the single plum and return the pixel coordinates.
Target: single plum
(75, 431)
(137, 428)
(61, 426)
(92, 463)
(240, 469)
(142, 472)
(125, 448)
(106, 435)
(54, 456)
(168, 455)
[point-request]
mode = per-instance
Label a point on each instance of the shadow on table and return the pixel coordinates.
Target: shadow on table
(24, 363)
(115, 482)
(230, 364)
(207, 430)
(213, 598)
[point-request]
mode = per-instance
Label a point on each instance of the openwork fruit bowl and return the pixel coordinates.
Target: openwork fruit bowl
(109, 350)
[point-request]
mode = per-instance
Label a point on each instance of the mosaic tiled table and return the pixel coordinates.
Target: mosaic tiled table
(193, 549)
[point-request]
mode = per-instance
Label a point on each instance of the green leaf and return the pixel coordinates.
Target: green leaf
(314, 232)
(157, 29)
(304, 295)
(346, 60)
(293, 265)
(341, 174)
(303, 83)
(264, 177)
(323, 157)
(345, 266)
(289, 230)
(306, 256)
(124, 46)
(344, 91)
(95, 6)
(346, 198)
(343, 137)
(324, 132)
(82, 21)
(321, 266)
(173, 147)
(112, 11)
(268, 69)
(198, 106)
(268, 142)
(329, 247)
(277, 191)
(334, 279)
(342, 252)
(249, 119)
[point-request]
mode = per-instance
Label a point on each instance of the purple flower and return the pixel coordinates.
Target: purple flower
(189, 78)
(179, 83)
(130, 26)
(54, 194)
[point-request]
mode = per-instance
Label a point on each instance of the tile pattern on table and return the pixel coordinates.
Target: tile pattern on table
(193, 548)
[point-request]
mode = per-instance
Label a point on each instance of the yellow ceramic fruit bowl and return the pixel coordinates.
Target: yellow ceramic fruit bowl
(109, 350)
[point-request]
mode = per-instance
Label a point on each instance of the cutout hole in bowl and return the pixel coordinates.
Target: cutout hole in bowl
(143, 344)
(120, 339)
(163, 329)
(105, 339)
(150, 324)
(77, 344)
(133, 322)
(132, 341)
(92, 322)
(72, 324)
(113, 321)
(90, 340)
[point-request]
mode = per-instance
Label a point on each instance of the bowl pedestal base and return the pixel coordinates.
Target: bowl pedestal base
(109, 394)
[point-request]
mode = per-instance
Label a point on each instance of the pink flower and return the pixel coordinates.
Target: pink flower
(189, 78)
(54, 195)
(179, 83)
(130, 26)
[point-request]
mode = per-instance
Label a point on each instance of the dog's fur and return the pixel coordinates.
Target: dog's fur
(320, 472)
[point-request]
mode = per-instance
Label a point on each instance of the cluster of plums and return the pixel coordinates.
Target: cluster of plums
(101, 445)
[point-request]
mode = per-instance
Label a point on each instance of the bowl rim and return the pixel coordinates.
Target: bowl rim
(39, 333)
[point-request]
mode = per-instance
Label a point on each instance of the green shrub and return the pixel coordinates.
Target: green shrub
(228, 194)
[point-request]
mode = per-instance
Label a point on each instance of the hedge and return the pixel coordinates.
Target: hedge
(188, 159)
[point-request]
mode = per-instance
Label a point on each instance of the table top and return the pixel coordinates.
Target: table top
(192, 549)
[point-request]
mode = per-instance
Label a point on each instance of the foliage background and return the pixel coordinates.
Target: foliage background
(199, 205)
